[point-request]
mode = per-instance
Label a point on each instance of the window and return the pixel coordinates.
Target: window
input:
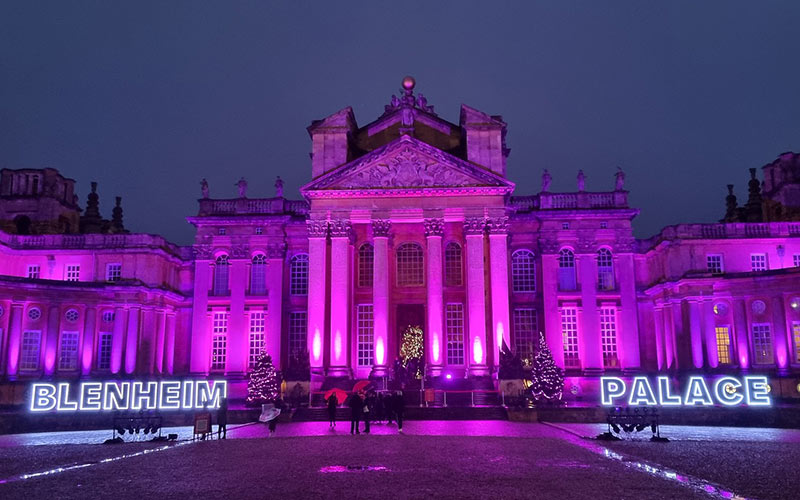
(523, 271)
(796, 338)
(71, 315)
(565, 225)
(366, 258)
(605, 269)
(298, 329)
(259, 230)
(452, 265)
(68, 355)
(762, 344)
(257, 340)
(758, 262)
(113, 272)
(525, 328)
(34, 313)
(409, 265)
(796, 260)
(258, 275)
(108, 316)
(104, 352)
(566, 270)
(604, 225)
(569, 334)
(29, 355)
(33, 272)
(608, 336)
(222, 231)
(221, 272)
(723, 334)
(219, 340)
(72, 273)
(298, 275)
(365, 334)
(714, 263)
(454, 319)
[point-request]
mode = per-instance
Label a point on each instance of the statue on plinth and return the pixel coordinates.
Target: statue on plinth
(204, 189)
(619, 177)
(242, 185)
(581, 181)
(279, 187)
(546, 180)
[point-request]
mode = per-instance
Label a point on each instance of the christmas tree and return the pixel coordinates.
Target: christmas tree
(264, 384)
(411, 350)
(547, 382)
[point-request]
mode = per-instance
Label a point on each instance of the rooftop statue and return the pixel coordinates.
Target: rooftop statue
(619, 177)
(279, 187)
(581, 181)
(204, 189)
(546, 180)
(242, 185)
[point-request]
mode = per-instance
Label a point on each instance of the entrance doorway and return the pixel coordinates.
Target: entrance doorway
(408, 314)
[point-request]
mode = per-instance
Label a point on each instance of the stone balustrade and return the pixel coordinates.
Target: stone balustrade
(258, 206)
(725, 230)
(570, 201)
(94, 242)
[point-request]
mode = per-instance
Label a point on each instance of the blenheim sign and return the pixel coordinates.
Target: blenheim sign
(750, 390)
(127, 395)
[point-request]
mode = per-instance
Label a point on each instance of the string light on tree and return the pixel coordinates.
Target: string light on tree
(547, 381)
(264, 383)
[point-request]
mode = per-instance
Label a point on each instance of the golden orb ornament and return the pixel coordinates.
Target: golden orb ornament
(409, 82)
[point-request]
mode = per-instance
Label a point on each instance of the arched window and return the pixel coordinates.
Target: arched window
(221, 271)
(366, 258)
(258, 275)
(452, 265)
(523, 271)
(566, 270)
(298, 275)
(410, 265)
(605, 269)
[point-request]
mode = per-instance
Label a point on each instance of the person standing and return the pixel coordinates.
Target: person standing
(367, 413)
(399, 408)
(355, 405)
(333, 402)
(222, 419)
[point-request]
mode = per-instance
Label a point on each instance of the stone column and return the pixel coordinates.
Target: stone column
(201, 333)
(14, 337)
(434, 230)
(591, 346)
(629, 339)
(781, 344)
(696, 336)
(238, 327)
(87, 356)
(380, 295)
(476, 296)
(50, 340)
(117, 339)
(146, 356)
(340, 297)
(711, 334)
(658, 330)
(132, 340)
(161, 326)
(169, 347)
(741, 333)
(498, 274)
(276, 254)
(669, 338)
(317, 285)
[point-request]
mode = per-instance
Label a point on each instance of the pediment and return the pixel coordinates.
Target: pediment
(407, 163)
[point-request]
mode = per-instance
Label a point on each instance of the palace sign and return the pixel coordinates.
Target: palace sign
(138, 395)
(750, 390)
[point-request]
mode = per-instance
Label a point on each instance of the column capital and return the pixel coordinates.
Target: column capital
(498, 225)
(474, 226)
(434, 227)
(380, 228)
(340, 228)
(317, 228)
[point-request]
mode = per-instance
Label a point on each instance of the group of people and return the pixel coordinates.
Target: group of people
(370, 407)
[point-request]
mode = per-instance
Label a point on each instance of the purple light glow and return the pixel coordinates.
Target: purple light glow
(477, 350)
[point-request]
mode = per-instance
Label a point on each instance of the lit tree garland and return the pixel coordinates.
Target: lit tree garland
(547, 382)
(264, 385)
(411, 349)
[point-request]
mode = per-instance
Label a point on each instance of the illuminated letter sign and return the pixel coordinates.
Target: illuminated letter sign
(139, 395)
(727, 391)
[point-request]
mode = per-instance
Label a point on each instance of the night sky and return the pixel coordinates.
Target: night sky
(147, 98)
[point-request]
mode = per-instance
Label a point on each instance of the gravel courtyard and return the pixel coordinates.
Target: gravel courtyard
(432, 459)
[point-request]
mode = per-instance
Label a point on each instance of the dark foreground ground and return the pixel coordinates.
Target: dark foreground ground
(460, 461)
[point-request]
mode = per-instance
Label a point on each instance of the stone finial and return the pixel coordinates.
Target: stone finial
(93, 203)
(242, 186)
(731, 206)
(581, 181)
(116, 215)
(547, 179)
(204, 189)
(752, 209)
(279, 187)
(619, 180)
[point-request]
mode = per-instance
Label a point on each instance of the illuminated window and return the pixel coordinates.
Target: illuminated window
(259, 230)
(762, 344)
(565, 225)
(257, 340)
(221, 272)
(409, 265)
(714, 264)
(569, 334)
(298, 329)
(525, 333)
(723, 344)
(298, 274)
(222, 231)
(608, 336)
(452, 265)
(258, 275)
(29, 350)
(796, 337)
(604, 225)
(366, 259)
(365, 334)
(68, 354)
(113, 272)
(219, 340)
(523, 271)
(796, 260)
(104, 351)
(108, 316)
(566, 270)
(758, 262)
(33, 272)
(605, 269)
(72, 273)
(454, 319)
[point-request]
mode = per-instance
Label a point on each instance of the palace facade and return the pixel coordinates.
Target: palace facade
(407, 220)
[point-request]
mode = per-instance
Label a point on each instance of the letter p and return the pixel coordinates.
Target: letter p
(611, 388)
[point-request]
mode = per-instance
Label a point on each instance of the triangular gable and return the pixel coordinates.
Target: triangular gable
(407, 164)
